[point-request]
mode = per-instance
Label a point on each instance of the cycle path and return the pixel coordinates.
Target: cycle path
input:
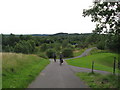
(56, 76)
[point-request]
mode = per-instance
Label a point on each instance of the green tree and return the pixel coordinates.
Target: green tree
(57, 46)
(44, 47)
(107, 18)
(12, 39)
(67, 52)
(22, 47)
(25, 37)
(64, 43)
(50, 52)
(25, 47)
(31, 45)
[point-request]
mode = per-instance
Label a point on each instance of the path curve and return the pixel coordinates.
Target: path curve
(56, 76)
(81, 69)
(85, 53)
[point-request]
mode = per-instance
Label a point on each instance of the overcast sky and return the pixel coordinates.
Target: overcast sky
(44, 16)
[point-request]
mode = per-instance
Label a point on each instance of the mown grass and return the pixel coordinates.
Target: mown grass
(95, 80)
(95, 50)
(19, 70)
(102, 61)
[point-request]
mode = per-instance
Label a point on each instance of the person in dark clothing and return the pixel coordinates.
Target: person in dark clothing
(61, 59)
(54, 56)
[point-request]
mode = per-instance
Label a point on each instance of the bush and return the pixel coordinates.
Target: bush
(44, 47)
(101, 45)
(49, 53)
(25, 47)
(71, 46)
(67, 52)
(43, 55)
(96, 50)
(57, 46)
(37, 49)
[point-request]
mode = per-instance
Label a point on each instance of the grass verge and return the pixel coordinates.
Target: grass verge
(96, 80)
(19, 70)
(102, 61)
(78, 52)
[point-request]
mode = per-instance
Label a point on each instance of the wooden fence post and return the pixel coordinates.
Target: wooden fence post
(92, 66)
(114, 65)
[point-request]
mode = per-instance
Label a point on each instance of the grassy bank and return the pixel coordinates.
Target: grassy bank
(103, 61)
(19, 70)
(99, 81)
(78, 52)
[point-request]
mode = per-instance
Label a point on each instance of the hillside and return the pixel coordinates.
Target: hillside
(102, 61)
(20, 69)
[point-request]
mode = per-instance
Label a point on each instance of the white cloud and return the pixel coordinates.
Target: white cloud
(44, 16)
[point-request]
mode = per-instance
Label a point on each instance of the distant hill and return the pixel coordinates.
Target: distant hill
(57, 34)
(60, 34)
(63, 34)
(40, 34)
(28, 34)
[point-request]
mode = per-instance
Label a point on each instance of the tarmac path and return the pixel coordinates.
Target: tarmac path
(56, 76)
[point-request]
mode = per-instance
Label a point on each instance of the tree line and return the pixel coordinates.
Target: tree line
(50, 44)
(106, 35)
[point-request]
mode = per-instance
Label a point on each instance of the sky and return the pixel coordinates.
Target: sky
(44, 16)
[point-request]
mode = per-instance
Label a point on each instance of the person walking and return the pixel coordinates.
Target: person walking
(61, 59)
(54, 56)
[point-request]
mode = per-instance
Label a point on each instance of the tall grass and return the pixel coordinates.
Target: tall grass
(0, 70)
(96, 80)
(20, 69)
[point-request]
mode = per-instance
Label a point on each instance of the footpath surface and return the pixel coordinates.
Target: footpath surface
(56, 76)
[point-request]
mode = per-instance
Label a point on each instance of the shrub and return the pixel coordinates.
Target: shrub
(57, 46)
(44, 47)
(43, 55)
(25, 47)
(101, 45)
(67, 52)
(49, 53)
